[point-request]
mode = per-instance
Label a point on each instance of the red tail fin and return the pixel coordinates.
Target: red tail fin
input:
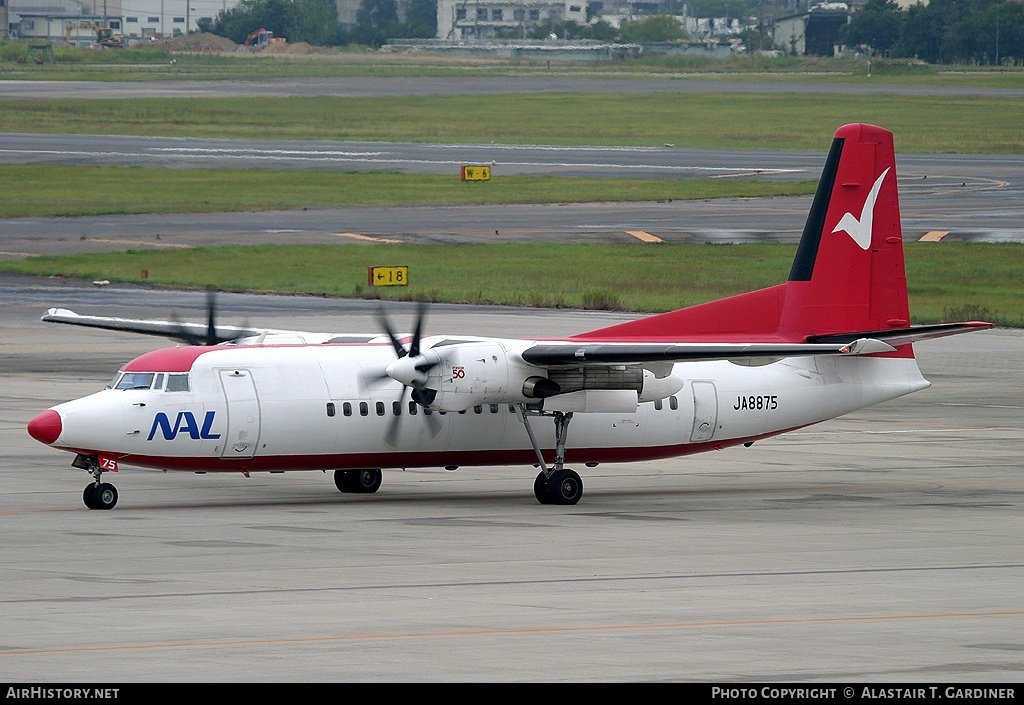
(848, 274)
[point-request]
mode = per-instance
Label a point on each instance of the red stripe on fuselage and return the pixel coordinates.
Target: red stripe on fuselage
(468, 458)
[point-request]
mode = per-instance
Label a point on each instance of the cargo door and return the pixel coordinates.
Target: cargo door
(705, 411)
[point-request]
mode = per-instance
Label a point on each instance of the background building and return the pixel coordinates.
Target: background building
(489, 19)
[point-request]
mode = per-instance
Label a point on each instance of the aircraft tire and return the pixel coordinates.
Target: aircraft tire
(104, 496)
(368, 481)
(360, 481)
(542, 489)
(565, 487)
(89, 495)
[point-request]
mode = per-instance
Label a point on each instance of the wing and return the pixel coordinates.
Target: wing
(198, 333)
(176, 330)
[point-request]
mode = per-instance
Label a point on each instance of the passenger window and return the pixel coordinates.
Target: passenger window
(396, 408)
(478, 409)
(330, 408)
(412, 408)
(380, 408)
(346, 409)
(657, 404)
(177, 383)
(364, 408)
(494, 408)
(673, 403)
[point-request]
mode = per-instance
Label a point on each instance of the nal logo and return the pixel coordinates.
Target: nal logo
(860, 229)
(185, 423)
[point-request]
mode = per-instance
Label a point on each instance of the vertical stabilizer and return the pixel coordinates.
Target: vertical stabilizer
(848, 274)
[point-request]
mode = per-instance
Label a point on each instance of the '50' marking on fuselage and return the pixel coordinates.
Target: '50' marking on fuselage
(757, 402)
(185, 422)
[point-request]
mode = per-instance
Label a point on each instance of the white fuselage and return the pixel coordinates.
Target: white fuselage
(276, 408)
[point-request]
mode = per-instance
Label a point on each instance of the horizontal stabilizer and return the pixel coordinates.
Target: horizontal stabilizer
(903, 336)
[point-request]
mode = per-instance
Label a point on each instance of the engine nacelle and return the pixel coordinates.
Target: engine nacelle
(470, 373)
(655, 388)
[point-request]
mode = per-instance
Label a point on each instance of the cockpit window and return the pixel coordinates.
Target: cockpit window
(113, 383)
(177, 383)
(135, 380)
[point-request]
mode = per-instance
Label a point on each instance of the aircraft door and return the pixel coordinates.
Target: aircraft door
(243, 409)
(705, 411)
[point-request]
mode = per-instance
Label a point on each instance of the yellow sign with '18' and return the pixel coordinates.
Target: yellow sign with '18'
(387, 276)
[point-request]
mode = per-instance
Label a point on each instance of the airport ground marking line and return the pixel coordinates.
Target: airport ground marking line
(512, 632)
(357, 236)
(645, 237)
(147, 243)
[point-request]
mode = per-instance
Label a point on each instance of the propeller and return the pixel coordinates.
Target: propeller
(212, 335)
(411, 369)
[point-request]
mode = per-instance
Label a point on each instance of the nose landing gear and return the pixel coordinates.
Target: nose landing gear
(97, 494)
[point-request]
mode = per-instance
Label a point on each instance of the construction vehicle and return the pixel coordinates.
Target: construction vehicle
(104, 36)
(261, 39)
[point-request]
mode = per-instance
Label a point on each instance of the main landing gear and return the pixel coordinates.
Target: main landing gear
(361, 481)
(554, 484)
(97, 494)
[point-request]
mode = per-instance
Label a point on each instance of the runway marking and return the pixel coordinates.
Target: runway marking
(148, 243)
(357, 236)
(295, 155)
(516, 632)
(934, 235)
(646, 237)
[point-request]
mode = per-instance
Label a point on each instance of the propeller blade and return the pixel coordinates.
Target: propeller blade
(421, 313)
(386, 325)
(434, 424)
(197, 334)
(211, 318)
(410, 372)
(391, 433)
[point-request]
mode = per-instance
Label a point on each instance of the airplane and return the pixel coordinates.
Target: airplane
(835, 337)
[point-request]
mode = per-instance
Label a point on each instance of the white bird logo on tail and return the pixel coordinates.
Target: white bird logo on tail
(860, 229)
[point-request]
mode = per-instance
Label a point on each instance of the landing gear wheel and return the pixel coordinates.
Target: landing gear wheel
(360, 481)
(565, 487)
(101, 496)
(542, 489)
(89, 495)
(105, 496)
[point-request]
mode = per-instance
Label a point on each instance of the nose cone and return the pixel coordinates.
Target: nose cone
(46, 427)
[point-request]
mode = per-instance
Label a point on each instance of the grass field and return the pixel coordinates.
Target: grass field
(947, 281)
(32, 190)
(932, 124)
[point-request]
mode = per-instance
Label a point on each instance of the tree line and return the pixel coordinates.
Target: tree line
(941, 32)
